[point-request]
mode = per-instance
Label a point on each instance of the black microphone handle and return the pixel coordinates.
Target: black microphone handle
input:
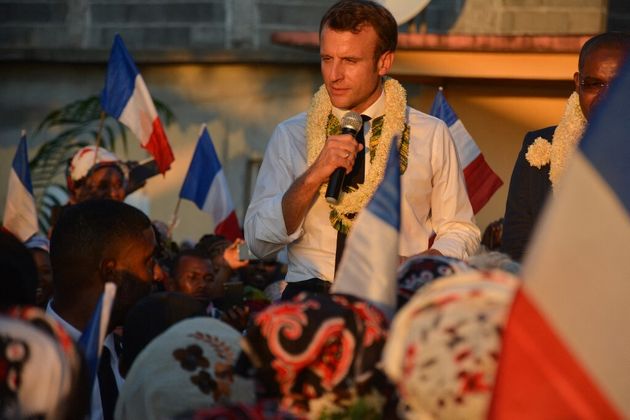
(334, 185)
(335, 181)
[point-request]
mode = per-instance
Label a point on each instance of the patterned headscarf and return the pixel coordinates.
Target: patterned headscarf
(187, 367)
(444, 344)
(40, 368)
(318, 354)
(420, 270)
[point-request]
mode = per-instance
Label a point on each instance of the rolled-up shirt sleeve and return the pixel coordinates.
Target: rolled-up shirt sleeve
(457, 234)
(435, 200)
(284, 161)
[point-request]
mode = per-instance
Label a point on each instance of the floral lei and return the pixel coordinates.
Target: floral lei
(321, 123)
(565, 139)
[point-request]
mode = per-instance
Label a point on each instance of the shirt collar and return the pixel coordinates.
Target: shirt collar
(71, 330)
(375, 110)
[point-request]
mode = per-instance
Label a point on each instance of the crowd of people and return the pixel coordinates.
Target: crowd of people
(197, 332)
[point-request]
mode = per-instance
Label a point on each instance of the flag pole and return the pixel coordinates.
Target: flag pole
(169, 233)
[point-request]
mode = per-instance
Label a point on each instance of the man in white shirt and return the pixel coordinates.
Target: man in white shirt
(357, 43)
(95, 242)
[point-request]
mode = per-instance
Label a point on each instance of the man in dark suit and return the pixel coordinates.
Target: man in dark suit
(545, 152)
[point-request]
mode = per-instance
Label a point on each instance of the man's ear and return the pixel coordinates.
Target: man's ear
(107, 270)
(385, 62)
(576, 80)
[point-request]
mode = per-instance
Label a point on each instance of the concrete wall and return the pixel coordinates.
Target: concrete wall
(532, 17)
(618, 15)
(211, 26)
(205, 25)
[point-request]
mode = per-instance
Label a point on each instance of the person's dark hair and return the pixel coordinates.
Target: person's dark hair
(87, 232)
(213, 245)
(197, 253)
(19, 273)
(150, 317)
(614, 40)
(352, 15)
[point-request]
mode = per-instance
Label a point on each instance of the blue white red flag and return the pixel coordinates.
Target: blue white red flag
(20, 213)
(368, 267)
(565, 351)
(126, 98)
(93, 337)
(206, 186)
(481, 181)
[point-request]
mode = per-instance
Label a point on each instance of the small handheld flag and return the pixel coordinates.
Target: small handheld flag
(206, 186)
(20, 214)
(126, 98)
(93, 337)
(368, 266)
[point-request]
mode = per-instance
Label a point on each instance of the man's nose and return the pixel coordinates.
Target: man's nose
(336, 70)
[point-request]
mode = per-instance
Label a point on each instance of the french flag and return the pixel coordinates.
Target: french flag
(481, 181)
(20, 213)
(126, 98)
(206, 186)
(368, 267)
(93, 337)
(566, 344)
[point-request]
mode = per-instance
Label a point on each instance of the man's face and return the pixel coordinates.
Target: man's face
(106, 182)
(133, 272)
(195, 276)
(600, 68)
(351, 73)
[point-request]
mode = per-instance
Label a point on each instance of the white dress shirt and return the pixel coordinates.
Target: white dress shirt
(434, 198)
(96, 409)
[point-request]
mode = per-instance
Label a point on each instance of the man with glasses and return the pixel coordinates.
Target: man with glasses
(545, 153)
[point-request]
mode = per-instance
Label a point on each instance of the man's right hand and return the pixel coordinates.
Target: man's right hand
(339, 151)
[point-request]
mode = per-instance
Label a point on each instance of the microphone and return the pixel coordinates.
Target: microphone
(351, 123)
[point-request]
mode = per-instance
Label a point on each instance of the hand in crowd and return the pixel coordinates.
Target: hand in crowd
(231, 257)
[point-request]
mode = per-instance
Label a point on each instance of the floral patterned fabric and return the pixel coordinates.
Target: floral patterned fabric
(318, 354)
(420, 270)
(444, 345)
(188, 367)
(40, 367)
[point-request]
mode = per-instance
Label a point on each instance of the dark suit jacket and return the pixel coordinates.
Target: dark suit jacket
(529, 187)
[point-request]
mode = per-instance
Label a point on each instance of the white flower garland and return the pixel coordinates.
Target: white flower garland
(565, 139)
(352, 202)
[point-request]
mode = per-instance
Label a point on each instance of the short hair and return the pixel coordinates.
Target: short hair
(213, 245)
(85, 233)
(353, 15)
(613, 40)
(196, 253)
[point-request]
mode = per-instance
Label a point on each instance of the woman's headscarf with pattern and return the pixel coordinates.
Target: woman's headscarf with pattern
(188, 367)
(318, 354)
(444, 344)
(42, 374)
